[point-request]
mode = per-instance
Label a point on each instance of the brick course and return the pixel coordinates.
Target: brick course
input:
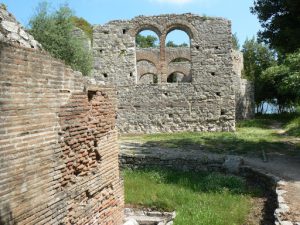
(58, 144)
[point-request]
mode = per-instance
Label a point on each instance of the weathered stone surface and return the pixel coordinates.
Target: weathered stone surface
(12, 31)
(205, 101)
(149, 217)
(131, 221)
(78, 33)
(244, 89)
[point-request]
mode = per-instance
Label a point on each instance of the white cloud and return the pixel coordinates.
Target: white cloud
(173, 1)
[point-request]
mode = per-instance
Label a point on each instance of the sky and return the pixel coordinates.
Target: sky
(244, 24)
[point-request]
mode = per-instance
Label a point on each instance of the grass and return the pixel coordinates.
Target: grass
(198, 198)
(251, 137)
(293, 127)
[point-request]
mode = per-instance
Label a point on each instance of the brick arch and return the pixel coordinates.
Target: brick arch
(154, 74)
(182, 58)
(187, 78)
(178, 53)
(149, 56)
(180, 25)
(186, 70)
(142, 27)
(141, 70)
(153, 77)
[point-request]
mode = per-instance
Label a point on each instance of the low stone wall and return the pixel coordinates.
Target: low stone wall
(59, 152)
(175, 107)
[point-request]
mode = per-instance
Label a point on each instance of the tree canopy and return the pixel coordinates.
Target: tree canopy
(281, 23)
(149, 41)
(285, 78)
(173, 45)
(257, 58)
(83, 25)
(146, 41)
(53, 29)
(235, 42)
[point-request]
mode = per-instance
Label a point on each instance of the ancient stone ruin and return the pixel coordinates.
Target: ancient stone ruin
(59, 152)
(173, 89)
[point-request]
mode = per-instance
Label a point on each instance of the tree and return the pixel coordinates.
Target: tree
(285, 78)
(146, 41)
(173, 45)
(53, 29)
(281, 23)
(235, 42)
(257, 58)
(83, 25)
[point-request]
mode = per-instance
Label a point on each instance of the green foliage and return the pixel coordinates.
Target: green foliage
(53, 29)
(198, 198)
(293, 127)
(83, 25)
(257, 58)
(173, 45)
(2, 5)
(146, 41)
(280, 22)
(235, 42)
(286, 77)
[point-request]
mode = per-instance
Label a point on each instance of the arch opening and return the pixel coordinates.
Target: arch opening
(148, 78)
(178, 77)
(178, 55)
(147, 38)
(180, 59)
(177, 38)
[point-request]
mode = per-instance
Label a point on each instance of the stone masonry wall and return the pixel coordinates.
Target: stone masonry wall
(174, 107)
(210, 47)
(59, 152)
(244, 89)
(206, 103)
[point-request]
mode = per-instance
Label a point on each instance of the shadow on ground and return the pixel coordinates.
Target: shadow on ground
(229, 144)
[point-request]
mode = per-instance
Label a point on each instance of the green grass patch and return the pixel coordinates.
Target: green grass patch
(251, 137)
(198, 198)
(293, 127)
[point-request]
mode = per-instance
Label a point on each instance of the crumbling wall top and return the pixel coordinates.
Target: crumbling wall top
(11, 31)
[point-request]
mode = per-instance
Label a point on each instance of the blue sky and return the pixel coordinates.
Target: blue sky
(101, 11)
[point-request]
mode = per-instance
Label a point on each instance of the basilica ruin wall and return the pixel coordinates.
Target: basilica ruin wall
(205, 102)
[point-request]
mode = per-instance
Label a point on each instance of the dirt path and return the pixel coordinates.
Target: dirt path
(287, 168)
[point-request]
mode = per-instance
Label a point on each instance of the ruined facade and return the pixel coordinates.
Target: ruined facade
(244, 89)
(58, 142)
(156, 91)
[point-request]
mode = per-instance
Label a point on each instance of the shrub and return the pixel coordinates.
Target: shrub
(53, 29)
(83, 25)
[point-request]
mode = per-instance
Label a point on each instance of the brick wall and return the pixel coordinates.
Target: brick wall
(58, 144)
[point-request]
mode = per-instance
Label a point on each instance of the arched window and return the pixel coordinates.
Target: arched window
(148, 78)
(177, 77)
(178, 56)
(147, 39)
(177, 38)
